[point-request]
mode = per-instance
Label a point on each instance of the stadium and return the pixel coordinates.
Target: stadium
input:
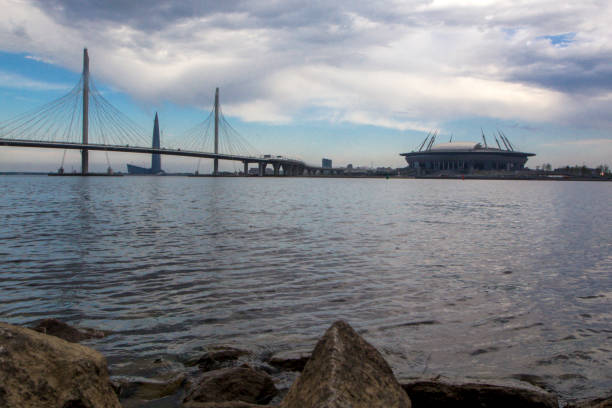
(465, 157)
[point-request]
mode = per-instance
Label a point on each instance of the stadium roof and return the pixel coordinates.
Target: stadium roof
(456, 146)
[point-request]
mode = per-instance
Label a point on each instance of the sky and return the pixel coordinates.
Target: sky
(355, 81)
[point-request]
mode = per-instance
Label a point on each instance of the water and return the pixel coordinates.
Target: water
(482, 279)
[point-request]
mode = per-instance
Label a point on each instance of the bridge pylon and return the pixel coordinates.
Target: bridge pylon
(85, 152)
(216, 166)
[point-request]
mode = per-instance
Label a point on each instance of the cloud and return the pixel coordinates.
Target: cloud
(39, 59)
(577, 150)
(582, 142)
(404, 65)
(11, 80)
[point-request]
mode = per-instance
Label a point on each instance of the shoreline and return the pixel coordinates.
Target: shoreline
(224, 376)
(337, 176)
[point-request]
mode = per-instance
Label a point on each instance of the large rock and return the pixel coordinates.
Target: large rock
(147, 389)
(64, 331)
(290, 360)
(217, 357)
(345, 371)
(37, 370)
(232, 384)
(595, 403)
(446, 395)
(228, 404)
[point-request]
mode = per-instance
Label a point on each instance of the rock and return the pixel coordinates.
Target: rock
(595, 403)
(64, 331)
(216, 357)
(345, 371)
(228, 404)
(147, 389)
(290, 360)
(443, 395)
(37, 370)
(232, 384)
(532, 379)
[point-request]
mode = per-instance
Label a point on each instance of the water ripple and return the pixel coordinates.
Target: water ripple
(493, 279)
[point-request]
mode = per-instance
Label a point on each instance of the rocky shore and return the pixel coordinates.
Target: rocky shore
(46, 367)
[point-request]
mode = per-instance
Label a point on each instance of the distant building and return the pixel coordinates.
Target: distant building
(326, 163)
(465, 157)
(582, 171)
(132, 169)
(255, 171)
(155, 157)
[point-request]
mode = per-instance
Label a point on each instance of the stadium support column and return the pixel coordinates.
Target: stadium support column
(216, 167)
(85, 152)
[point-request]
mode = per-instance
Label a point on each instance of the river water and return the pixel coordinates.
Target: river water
(478, 279)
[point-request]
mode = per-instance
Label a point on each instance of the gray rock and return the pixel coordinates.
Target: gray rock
(290, 360)
(448, 395)
(345, 371)
(57, 328)
(594, 403)
(232, 384)
(217, 357)
(147, 389)
(229, 404)
(37, 370)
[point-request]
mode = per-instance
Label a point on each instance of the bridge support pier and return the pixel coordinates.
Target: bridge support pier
(277, 169)
(262, 168)
(246, 168)
(84, 162)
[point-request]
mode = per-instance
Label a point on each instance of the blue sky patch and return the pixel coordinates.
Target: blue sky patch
(509, 32)
(560, 40)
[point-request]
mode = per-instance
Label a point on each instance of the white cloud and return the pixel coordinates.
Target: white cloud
(606, 143)
(39, 59)
(258, 111)
(11, 80)
(396, 64)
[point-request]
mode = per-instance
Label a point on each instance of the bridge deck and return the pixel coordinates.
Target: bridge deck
(148, 150)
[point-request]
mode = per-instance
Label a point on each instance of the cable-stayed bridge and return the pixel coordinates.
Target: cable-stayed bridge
(84, 120)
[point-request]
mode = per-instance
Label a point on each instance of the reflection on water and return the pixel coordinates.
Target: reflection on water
(493, 279)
